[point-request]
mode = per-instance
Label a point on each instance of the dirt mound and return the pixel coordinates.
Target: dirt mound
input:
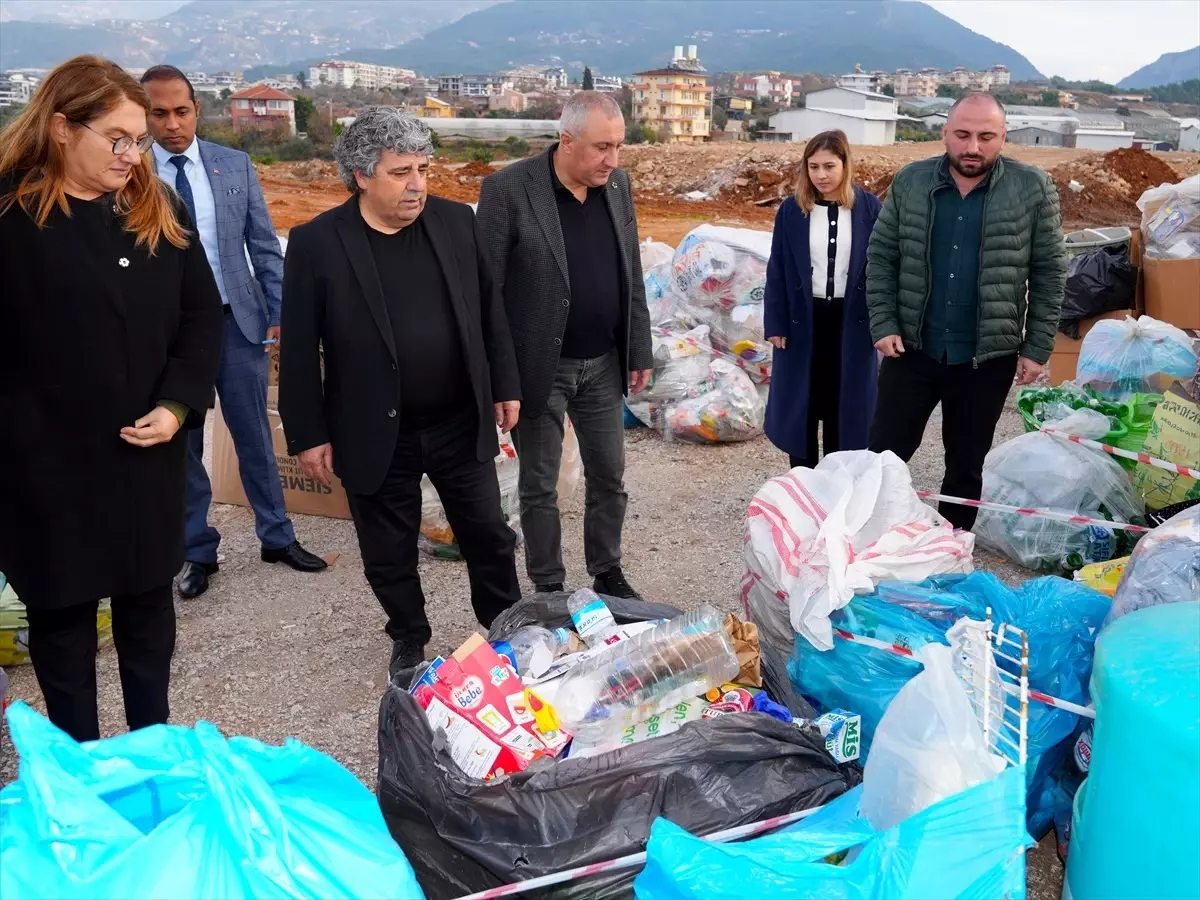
(312, 170)
(475, 169)
(1139, 169)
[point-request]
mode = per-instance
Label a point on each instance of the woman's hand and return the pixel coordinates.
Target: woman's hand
(156, 427)
(779, 343)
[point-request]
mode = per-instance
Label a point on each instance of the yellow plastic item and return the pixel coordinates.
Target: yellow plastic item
(1103, 576)
(14, 628)
(544, 716)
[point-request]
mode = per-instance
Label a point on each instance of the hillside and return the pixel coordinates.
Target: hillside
(480, 35)
(1170, 68)
(219, 35)
(620, 38)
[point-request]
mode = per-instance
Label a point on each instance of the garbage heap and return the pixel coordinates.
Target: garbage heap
(712, 363)
(556, 741)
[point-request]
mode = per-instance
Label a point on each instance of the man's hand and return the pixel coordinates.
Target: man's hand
(1028, 371)
(507, 414)
(890, 346)
(317, 463)
(638, 381)
(273, 338)
(779, 343)
(156, 427)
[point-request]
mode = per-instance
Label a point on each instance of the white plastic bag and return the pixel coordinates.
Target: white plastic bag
(436, 537)
(928, 746)
(1120, 358)
(816, 537)
(1164, 568)
(1039, 470)
(1171, 219)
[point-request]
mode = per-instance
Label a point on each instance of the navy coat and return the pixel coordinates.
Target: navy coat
(789, 313)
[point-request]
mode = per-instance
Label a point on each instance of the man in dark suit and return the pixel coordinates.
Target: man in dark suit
(419, 370)
(223, 195)
(563, 242)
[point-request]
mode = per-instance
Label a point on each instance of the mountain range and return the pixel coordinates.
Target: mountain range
(216, 35)
(1170, 68)
(615, 36)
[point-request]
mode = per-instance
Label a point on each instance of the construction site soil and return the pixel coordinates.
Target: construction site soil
(742, 184)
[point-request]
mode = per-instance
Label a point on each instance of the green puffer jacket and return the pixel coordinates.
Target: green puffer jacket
(1022, 246)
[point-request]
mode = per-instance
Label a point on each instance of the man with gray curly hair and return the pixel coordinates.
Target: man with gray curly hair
(399, 362)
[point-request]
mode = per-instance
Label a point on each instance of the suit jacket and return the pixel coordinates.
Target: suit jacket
(333, 301)
(518, 218)
(788, 312)
(246, 236)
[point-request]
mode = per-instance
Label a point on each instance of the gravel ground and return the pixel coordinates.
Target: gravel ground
(271, 653)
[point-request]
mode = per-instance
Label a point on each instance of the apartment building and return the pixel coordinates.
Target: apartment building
(263, 107)
(607, 84)
(675, 101)
(767, 87)
(473, 85)
(509, 100)
(349, 74)
(16, 87)
(924, 83)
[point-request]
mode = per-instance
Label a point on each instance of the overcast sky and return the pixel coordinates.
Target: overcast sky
(1078, 39)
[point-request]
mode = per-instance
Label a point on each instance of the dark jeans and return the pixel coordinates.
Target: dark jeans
(62, 648)
(972, 399)
(824, 382)
(389, 521)
(590, 391)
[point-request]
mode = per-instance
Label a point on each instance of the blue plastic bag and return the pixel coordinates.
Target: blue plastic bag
(971, 845)
(169, 811)
(1060, 618)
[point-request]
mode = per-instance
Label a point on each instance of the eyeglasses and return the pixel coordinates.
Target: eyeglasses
(124, 142)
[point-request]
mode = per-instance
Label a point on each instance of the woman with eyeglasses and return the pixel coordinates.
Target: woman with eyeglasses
(111, 328)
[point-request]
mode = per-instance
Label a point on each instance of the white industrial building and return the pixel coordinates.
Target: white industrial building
(1100, 139)
(1189, 135)
(1047, 134)
(867, 118)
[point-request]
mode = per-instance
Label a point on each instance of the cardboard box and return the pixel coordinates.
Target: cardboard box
(301, 495)
(1172, 290)
(1064, 360)
(1174, 435)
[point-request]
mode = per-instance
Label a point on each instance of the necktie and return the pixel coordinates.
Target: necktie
(184, 186)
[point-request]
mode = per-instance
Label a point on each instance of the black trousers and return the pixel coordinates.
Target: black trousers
(62, 648)
(389, 521)
(910, 386)
(824, 382)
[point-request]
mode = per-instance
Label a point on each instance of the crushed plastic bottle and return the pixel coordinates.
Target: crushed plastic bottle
(592, 619)
(534, 648)
(651, 672)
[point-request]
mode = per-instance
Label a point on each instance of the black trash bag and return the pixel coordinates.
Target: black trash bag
(462, 835)
(1099, 281)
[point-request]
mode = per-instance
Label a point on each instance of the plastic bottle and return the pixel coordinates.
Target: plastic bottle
(648, 673)
(535, 647)
(592, 619)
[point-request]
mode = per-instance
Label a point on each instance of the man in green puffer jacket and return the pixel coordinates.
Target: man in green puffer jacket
(965, 276)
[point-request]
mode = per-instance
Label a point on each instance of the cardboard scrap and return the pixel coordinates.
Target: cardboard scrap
(745, 643)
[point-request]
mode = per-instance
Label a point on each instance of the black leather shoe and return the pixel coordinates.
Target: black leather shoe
(405, 655)
(555, 588)
(192, 580)
(295, 556)
(614, 584)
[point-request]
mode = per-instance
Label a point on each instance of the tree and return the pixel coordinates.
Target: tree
(952, 91)
(720, 118)
(305, 111)
(589, 83)
(468, 112)
(1049, 98)
(226, 93)
(302, 77)
(888, 90)
(625, 101)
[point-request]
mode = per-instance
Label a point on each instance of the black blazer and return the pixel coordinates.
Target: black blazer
(94, 331)
(332, 300)
(518, 216)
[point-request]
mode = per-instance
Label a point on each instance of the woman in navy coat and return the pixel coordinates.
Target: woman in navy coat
(824, 365)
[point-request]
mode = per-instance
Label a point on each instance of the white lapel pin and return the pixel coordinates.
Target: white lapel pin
(123, 262)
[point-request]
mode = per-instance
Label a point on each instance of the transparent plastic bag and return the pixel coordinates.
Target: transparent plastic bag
(436, 537)
(727, 407)
(1134, 356)
(928, 747)
(1171, 219)
(1165, 567)
(1039, 470)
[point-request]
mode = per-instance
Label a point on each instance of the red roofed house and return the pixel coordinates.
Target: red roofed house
(259, 106)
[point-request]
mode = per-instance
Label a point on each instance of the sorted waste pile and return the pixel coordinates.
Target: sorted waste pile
(14, 628)
(711, 359)
(557, 742)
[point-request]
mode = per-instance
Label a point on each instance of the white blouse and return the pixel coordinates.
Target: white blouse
(829, 250)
